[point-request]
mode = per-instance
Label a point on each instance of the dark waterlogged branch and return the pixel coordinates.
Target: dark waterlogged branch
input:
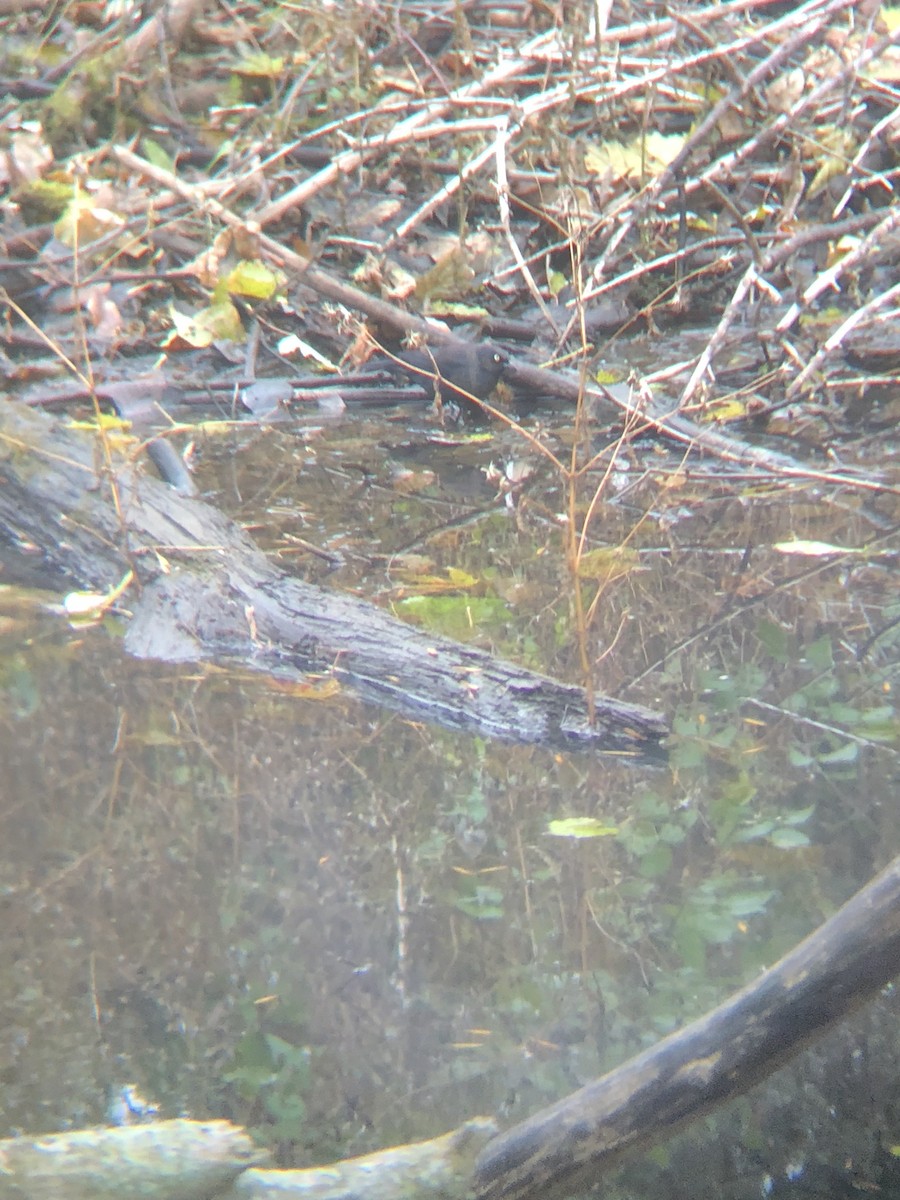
(208, 594)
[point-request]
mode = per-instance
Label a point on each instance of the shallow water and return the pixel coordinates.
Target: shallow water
(345, 929)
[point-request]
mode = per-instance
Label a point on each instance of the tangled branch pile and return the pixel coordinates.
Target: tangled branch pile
(554, 177)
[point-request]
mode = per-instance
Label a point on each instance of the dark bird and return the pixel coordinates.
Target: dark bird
(458, 370)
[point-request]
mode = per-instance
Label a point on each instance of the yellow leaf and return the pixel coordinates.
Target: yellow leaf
(613, 159)
(460, 579)
(644, 156)
(106, 421)
(85, 221)
(313, 687)
(662, 148)
(260, 66)
(607, 563)
(254, 279)
(608, 375)
(435, 585)
(839, 146)
(728, 410)
(581, 827)
(217, 322)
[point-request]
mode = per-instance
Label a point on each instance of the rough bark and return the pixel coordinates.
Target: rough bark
(215, 1160)
(439, 1169)
(165, 1160)
(208, 594)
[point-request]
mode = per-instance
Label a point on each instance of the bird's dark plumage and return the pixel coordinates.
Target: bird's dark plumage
(458, 370)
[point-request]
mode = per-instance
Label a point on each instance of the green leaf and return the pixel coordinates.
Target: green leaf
(456, 616)
(751, 832)
(156, 154)
(788, 839)
(261, 66)
(848, 753)
(776, 639)
(656, 862)
(581, 827)
(749, 904)
(799, 816)
(820, 654)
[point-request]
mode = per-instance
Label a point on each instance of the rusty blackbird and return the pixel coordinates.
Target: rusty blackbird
(459, 370)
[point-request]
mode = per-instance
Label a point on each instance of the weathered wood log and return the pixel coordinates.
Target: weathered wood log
(163, 1160)
(208, 594)
(215, 1160)
(564, 1148)
(439, 1169)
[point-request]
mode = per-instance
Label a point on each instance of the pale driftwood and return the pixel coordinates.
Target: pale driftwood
(566, 1147)
(215, 1160)
(163, 1160)
(208, 594)
(439, 1169)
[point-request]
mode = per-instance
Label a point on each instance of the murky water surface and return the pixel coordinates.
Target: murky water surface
(347, 930)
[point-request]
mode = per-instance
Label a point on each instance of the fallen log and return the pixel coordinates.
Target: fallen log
(207, 593)
(439, 1169)
(215, 1160)
(565, 1148)
(165, 1160)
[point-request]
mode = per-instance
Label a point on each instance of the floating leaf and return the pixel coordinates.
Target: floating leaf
(313, 687)
(608, 375)
(581, 827)
(456, 616)
(90, 607)
(748, 903)
(799, 816)
(460, 578)
(433, 585)
(776, 640)
(656, 862)
(812, 549)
